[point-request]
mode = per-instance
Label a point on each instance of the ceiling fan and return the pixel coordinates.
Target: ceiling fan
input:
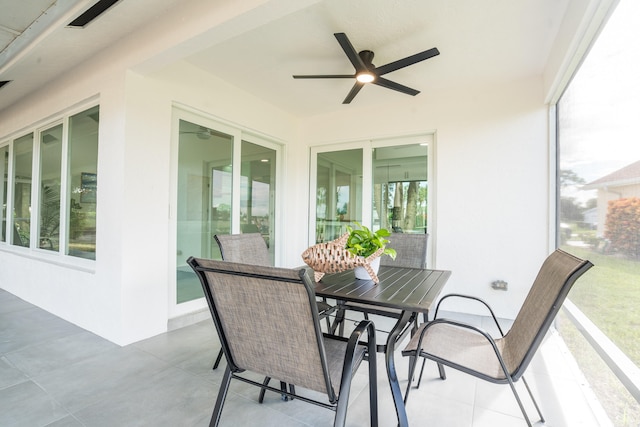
(202, 132)
(366, 72)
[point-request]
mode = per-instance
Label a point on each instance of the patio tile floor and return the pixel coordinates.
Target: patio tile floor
(53, 373)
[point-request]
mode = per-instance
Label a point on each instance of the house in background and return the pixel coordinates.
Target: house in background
(620, 184)
(154, 73)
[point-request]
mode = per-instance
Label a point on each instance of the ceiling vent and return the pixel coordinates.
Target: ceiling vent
(4, 82)
(92, 13)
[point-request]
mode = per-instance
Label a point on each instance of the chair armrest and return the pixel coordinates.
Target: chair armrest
(365, 326)
(455, 323)
(495, 319)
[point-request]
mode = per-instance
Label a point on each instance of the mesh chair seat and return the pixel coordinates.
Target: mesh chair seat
(462, 347)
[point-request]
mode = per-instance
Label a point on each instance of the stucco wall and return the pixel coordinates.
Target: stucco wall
(492, 174)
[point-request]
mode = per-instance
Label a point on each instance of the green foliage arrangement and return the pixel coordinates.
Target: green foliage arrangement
(364, 242)
(622, 226)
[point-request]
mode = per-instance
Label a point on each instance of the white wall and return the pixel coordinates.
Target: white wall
(491, 179)
(492, 182)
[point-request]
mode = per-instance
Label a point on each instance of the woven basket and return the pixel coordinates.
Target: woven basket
(333, 257)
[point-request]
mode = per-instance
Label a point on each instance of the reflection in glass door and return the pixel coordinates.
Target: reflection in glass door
(338, 192)
(400, 188)
(257, 192)
(204, 200)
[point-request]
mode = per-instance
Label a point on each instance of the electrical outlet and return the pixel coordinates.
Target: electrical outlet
(499, 285)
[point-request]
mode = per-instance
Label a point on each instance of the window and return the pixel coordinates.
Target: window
(58, 213)
(83, 183)
(388, 177)
(50, 186)
(22, 174)
(4, 173)
(599, 200)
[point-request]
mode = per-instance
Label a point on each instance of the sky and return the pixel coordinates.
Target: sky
(600, 111)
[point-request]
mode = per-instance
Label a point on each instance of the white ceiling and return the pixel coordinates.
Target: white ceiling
(481, 42)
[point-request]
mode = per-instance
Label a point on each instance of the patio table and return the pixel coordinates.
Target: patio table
(409, 290)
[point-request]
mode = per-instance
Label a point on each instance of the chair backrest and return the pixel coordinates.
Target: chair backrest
(411, 250)
(267, 321)
(244, 248)
(554, 281)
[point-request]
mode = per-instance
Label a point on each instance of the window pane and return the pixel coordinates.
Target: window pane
(599, 192)
(22, 167)
(4, 171)
(204, 200)
(50, 167)
(338, 192)
(257, 193)
(83, 182)
(400, 188)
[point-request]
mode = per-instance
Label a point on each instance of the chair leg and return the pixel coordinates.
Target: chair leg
(517, 396)
(533, 399)
(413, 361)
(292, 390)
(222, 395)
(218, 359)
(443, 374)
(373, 390)
(338, 322)
(263, 390)
(326, 318)
(283, 387)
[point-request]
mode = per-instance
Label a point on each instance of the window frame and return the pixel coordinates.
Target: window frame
(60, 256)
(367, 146)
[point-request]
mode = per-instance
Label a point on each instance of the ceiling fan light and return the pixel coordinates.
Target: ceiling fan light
(365, 77)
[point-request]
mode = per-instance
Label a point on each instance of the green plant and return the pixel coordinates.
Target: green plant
(364, 242)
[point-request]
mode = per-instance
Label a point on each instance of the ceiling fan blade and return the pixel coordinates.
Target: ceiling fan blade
(405, 62)
(326, 76)
(354, 91)
(381, 81)
(350, 52)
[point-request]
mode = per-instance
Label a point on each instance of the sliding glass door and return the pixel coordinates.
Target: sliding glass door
(391, 176)
(226, 184)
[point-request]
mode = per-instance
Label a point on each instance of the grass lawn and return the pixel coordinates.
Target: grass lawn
(609, 294)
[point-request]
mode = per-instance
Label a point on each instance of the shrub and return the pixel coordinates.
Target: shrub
(622, 226)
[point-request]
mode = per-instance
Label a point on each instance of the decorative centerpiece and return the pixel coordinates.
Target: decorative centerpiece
(359, 249)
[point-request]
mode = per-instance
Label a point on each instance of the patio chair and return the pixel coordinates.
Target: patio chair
(411, 251)
(501, 360)
(267, 321)
(250, 248)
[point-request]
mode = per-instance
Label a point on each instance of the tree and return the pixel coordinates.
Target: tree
(412, 206)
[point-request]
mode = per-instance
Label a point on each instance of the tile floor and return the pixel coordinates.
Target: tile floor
(53, 373)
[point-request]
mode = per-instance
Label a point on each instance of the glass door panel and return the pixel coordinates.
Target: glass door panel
(204, 200)
(400, 188)
(257, 192)
(338, 192)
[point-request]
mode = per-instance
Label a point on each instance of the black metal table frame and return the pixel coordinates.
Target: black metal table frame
(412, 291)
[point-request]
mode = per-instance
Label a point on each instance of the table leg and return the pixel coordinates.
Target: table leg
(391, 367)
